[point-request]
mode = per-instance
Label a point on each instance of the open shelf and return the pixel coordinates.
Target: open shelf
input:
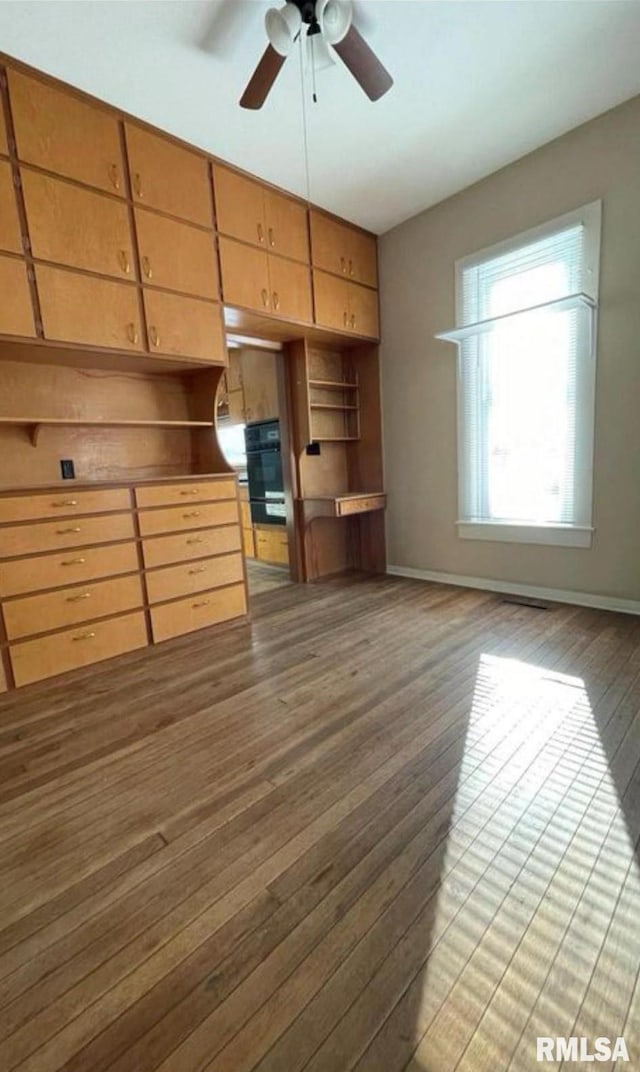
(35, 424)
(334, 385)
(327, 405)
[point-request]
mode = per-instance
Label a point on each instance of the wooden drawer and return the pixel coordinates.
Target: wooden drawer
(162, 550)
(203, 491)
(16, 310)
(272, 546)
(65, 568)
(196, 612)
(176, 255)
(63, 503)
(192, 516)
(10, 236)
(77, 227)
(85, 309)
(167, 177)
(54, 535)
(175, 581)
(69, 606)
(33, 660)
(361, 504)
(184, 327)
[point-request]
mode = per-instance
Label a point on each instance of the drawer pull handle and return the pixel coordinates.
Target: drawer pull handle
(146, 267)
(76, 599)
(190, 491)
(192, 513)
(260, 233)
(74, 561)
(353, 321)
(343, 265)
(276, 300)
(195, 539)
(137, 184)
(351, 271)
(84, 636)
(132, 334)
(200, 569)
(202, 603)
(124, 261)
(66, 502)
(65, 532)
(153, 335)
(114, 176)
(272, 240)
(345, 318)
(265, 297)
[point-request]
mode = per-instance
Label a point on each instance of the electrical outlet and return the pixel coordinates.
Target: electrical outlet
(67, 468)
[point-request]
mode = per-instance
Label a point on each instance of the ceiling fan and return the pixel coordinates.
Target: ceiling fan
(333, 21)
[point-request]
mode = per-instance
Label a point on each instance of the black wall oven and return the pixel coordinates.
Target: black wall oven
(264, 473)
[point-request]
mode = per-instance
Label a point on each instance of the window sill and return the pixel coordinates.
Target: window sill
(505, 532)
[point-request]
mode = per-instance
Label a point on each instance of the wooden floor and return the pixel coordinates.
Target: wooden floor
(389, 825)
(265, 578)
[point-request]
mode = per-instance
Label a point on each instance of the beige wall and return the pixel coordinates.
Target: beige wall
(598, 160)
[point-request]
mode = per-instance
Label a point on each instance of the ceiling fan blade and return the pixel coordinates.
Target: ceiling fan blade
(364, 65)
(262, 79)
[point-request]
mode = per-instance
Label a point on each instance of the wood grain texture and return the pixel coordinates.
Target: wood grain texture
(10, 234)
(16, 310)
(388, 825)
(167, 177)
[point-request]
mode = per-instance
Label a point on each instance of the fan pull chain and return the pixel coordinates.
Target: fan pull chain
(304, 124)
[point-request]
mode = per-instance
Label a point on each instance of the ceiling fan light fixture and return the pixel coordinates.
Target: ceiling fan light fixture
(283, 26)
(335, 18)
(319, 55)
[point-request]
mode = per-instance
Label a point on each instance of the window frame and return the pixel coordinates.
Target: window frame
(567, 534)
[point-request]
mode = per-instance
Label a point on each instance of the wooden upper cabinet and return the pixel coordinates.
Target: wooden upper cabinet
(245, 275)
(77, 227)
(345, 306)
(84, 309)
(343, 250)
(176, 255)
(4, 141)
(167, 177)
(184, 327)
(239, 206)
(16, 311)
(10, 235)
(286, 226)
(290, 289)
(57, 131)
(256, 214)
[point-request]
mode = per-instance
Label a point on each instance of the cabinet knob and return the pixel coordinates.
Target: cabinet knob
(125, 264)
(153, 336)
(84, 636)
(137, 184)
(114, 175)
(76, 599)
(146, 267)
(260, 233)
(276, 300)
(132, 334)
(265, 298)
(272, 240)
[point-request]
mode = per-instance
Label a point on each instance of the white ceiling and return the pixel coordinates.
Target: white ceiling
(477, 84)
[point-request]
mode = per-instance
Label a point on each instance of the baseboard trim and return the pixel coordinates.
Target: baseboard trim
(556, 595)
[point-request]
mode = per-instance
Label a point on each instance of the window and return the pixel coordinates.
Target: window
(526, 379)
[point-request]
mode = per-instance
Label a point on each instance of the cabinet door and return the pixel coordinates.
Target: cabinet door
(245, 275)
(363, 258)
(81, 309)
(168, 177)
(77, 227)
(59, 132)
(332, 301)
(176, 255)
(363, 311)
(10, 236)
(290, 289)
(4, 144)
(239, 206)
(329, 244)
(287, 229)
(16, 311)
(185, 327)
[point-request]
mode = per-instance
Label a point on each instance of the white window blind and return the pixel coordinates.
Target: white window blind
(526, 384)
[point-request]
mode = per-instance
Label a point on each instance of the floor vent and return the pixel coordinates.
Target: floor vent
(525, 601)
